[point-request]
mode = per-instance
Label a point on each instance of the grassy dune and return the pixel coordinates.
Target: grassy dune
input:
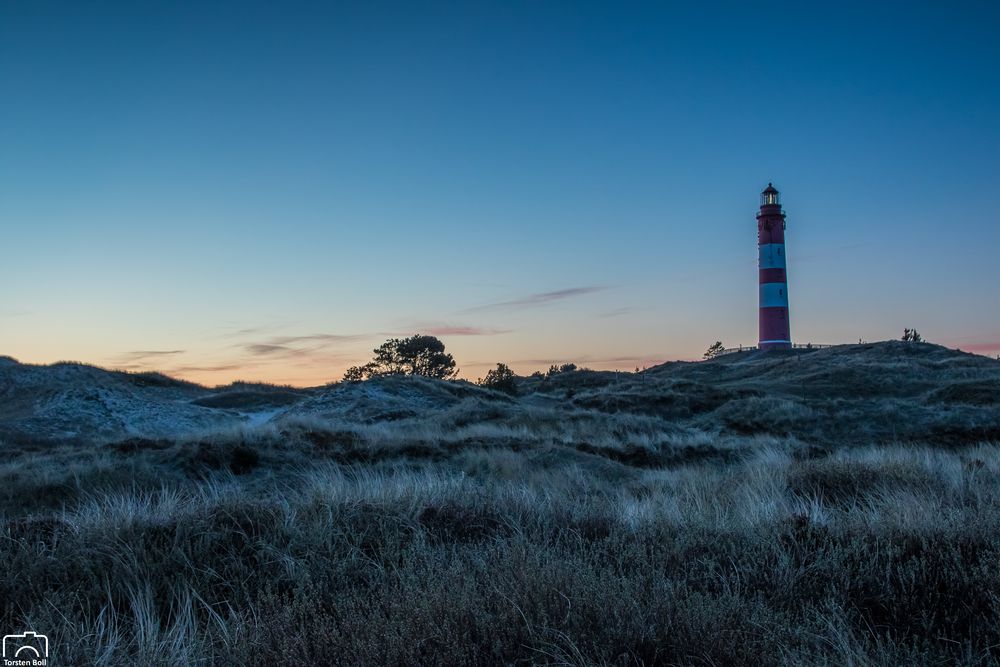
(849, 514)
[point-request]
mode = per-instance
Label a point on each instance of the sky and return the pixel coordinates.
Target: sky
(267, 191)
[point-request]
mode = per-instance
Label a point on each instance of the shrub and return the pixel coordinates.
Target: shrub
(564, 368)
(714, 350)
(501, 378)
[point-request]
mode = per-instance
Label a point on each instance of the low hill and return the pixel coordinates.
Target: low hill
(852, 394)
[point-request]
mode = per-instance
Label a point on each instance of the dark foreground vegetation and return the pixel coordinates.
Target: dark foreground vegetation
(848, 514)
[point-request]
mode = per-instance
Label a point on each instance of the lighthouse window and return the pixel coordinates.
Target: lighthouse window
(781, 292)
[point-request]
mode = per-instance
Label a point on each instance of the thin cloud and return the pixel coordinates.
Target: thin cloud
(617, 312)
(263, 349)
(312, 346)
(457, 330)
(135, 356)
(541, 299)
(204, 369)
(286, 352)
(317, 338)
(312, 359)
(250, 331)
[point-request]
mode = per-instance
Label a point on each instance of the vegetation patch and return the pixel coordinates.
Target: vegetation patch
(659, 456)
(977, 392)
(248, 400)
(853, 481)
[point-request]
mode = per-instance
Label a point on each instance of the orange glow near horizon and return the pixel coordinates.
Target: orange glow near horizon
(316, 376)
(317, 368)
(311, 371)
(532, 341)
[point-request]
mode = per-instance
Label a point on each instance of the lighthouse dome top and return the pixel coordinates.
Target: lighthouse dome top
(769, 196)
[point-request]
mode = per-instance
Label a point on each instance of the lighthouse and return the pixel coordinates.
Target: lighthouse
(775, 333)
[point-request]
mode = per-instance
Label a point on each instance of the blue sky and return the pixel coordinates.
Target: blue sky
(267, 191)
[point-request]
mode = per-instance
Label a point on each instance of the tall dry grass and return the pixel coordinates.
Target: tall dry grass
(480, 552)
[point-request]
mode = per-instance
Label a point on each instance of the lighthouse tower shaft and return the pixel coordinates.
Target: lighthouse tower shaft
(774, 328)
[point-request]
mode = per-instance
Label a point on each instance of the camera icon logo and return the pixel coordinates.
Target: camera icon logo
(26, 645)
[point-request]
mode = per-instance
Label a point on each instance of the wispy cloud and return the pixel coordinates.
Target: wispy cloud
(204, 369)
(318, 338)
(540, 299)
(252, 331)
(263, 349)
(439, 329)
(300, 346)
(137, 356)
(617, 312)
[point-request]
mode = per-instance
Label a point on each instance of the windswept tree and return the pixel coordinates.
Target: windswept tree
(714, 350)
(416, 355)
(501, 378)
(911, 336)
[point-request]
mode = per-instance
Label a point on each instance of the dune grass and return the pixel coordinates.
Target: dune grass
(484, 553)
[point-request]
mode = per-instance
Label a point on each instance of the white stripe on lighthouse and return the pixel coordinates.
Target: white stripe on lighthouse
(772, 256)
(773, 295)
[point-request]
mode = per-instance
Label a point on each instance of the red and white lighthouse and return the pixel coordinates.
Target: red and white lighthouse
(775, 333)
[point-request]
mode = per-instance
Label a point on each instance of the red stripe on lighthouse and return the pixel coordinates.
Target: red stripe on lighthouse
(772, 276)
